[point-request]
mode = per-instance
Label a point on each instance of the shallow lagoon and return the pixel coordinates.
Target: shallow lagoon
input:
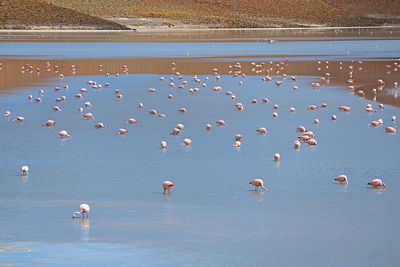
(212, 217)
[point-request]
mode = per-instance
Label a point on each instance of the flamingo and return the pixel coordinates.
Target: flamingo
(237, 144)
(164, 144)
(56, 108)
(258, 183)
(342, 179)
(88, 116)
(262, 130)
(377, 183)
(311, 142)
(301, 129)
(297, 144)
(186, 142)
(64, 133)
(391, 129)
(208, 126)
(49, 123)
(175, 131)
(122, 131)
(7, 114)
(277, 157)
(24, 170)
(182, 110)
(167, 185)
(83, 209)
(221, 122)
(131, 121)
(20, 119)
(99, 125)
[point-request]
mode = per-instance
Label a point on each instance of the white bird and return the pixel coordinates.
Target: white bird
(25, 170)
(84, 209)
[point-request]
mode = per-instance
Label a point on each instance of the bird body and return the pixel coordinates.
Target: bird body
(64, 133)
(167, 185)
(24, 170)
(342, 179)
(258, 183)
(83, 209)
(377, 183)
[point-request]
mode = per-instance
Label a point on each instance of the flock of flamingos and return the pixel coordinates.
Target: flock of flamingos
(306, 136)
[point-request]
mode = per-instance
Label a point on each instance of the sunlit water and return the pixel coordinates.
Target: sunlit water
(212, 217)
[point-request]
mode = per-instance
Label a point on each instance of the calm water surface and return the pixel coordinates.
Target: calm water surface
(212, 218)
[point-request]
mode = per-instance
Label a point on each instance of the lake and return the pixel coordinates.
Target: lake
(213, 217)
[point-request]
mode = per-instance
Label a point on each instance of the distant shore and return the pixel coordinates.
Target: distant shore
(187, 29)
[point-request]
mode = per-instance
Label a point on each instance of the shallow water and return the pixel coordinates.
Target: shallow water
(212, 217)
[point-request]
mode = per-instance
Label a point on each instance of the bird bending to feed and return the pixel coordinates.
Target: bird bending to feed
(391, 129)
(49, 123)
(24, 170)
(56, 108)
(99, 125)
(164, 144)
(377, 183)
(20, 119)
(342, 179)
(64, 133)
(167, 185)
(186, 142)
(84, 208)
(277, 157)
(297, 144)
(122, 131)
(262, 130)
(257, 183)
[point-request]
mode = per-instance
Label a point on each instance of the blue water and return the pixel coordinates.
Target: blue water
(336, 49)
(212, 217)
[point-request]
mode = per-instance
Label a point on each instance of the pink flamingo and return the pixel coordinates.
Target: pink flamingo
(391, 129)
(312, 142)
(262, 130)
(49, 123)
(164, 144)
(277, 157)
(131, 121)
(64, 133)
(88, 116)
(342, 179)
(99, 125)
(377, 183)
(221, 122)
(167, 185)
(297, 144)
(258, 183)
(186, 142)
(7, 114)
(122, 131)
(20, 119)
(83, 209)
